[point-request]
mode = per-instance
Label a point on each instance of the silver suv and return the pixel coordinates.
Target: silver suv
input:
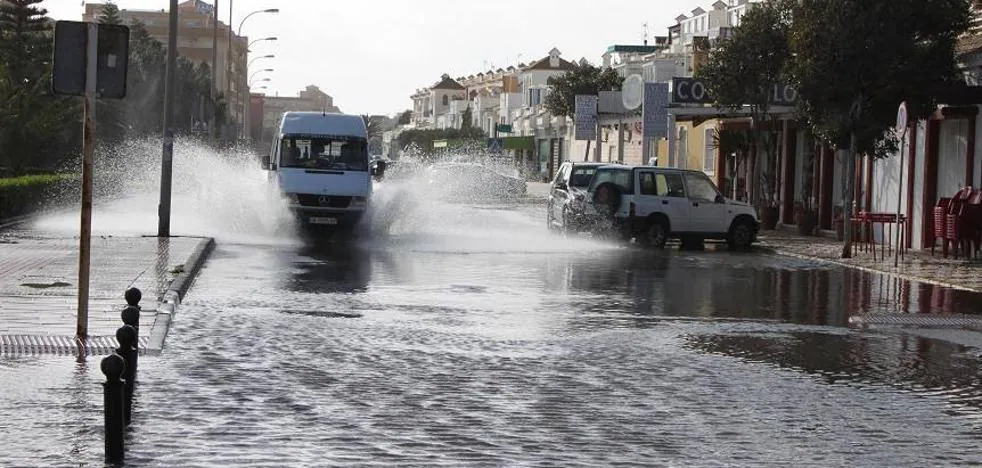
(654, 204)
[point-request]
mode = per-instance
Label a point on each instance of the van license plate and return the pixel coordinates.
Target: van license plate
(315, 220)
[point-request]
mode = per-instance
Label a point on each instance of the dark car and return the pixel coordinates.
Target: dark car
(567, 194)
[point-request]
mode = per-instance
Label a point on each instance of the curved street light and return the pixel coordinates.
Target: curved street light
(268, 10)
(257, 72)
(271, 38)
(260, 57)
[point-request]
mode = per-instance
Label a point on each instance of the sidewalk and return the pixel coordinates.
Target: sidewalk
(38, 288)
(916, 265)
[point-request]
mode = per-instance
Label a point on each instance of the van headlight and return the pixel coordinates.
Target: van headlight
(293, 199)
(359, 202)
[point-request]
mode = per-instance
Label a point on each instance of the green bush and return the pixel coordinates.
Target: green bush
(26, 194)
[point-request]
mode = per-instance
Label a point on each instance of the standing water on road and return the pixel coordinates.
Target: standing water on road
(462, 334)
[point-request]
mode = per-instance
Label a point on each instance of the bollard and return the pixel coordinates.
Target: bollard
(133, 296)
(126, 336)
(131, 317)
(113, 367)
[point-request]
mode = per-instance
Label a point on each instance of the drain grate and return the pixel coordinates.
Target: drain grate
(36, 345)
(973, 322)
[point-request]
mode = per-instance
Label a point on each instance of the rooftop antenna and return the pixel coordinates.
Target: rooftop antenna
(645, 33)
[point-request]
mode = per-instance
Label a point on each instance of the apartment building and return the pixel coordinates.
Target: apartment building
(195, 43)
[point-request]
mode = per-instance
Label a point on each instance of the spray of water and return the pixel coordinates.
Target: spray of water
(225, 195)
(412, 211)
(228, 196)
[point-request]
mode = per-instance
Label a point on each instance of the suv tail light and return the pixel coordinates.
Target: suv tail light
(632, 209)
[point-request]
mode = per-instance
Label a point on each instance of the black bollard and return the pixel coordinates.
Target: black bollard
(113, 367)
(126, 336)
(133, 296)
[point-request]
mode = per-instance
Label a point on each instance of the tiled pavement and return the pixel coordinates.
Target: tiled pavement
(916, 265)
(38, 286)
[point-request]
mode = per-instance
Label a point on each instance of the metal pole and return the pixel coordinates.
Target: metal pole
(900, 194)
(163, 226)
(88, 148)
(228, 65)
(214, 74)
(597, 152)
(620, 141)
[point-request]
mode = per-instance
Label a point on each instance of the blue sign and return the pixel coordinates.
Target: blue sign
(655, 110)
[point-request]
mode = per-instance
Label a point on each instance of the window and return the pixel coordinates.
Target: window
(700, 187)
(709, 163)
(647, 183)
(324, 152)
(446, 100)
(619, 177)
(582, 176)
(669, 185)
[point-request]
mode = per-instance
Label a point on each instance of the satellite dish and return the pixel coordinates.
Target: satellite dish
(632, 92)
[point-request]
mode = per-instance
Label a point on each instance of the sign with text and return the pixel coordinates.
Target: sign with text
(585, 119)
(655, 110)
(695, 91)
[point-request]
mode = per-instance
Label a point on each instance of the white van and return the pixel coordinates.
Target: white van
(320, 161)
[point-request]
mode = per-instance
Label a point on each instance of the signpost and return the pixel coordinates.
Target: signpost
(89, 60)
(901, 129)
(585, 120)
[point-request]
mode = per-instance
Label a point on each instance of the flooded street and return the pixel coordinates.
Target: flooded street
(465, 335)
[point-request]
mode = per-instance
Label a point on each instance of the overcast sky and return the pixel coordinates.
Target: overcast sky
(370, 55)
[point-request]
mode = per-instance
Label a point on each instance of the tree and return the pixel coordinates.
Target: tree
(110, 14)
(466, 118)
(38, 128)
(405, 117)
(25, 45)
(854, 62)
(582, 79)
(744, 69)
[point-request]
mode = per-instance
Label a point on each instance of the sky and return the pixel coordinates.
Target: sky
(371, 55)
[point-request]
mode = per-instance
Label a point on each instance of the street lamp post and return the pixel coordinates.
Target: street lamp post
(249, 47)
(163, 209)
(260, 57)
(228, 71)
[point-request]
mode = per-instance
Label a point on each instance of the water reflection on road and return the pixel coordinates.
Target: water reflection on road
(469, 337)
(502, 346)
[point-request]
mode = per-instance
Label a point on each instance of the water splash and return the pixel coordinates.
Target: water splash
(225, 195)
(407, 213)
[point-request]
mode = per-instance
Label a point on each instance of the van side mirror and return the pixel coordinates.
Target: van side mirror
(265, 162)
(720, 199)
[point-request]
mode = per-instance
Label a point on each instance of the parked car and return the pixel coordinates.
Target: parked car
(472, 182)
(654, 204)
(567, 194)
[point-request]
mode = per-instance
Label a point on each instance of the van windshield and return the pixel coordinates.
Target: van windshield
(339, 153)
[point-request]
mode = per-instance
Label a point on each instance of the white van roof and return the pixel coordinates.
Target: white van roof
(323, 123)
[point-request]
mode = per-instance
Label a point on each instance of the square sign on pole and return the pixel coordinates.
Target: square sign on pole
(656, 99)
(90, 60)
(112, 57)
(585, 119)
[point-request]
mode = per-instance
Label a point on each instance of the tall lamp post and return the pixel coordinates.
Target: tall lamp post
(166, 162)
(228, 71)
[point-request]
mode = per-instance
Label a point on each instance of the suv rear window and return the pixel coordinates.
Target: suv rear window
(623, 178)
(582, 176)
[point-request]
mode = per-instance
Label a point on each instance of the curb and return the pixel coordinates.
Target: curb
(893, 274)
(15, 220)
(171, 300)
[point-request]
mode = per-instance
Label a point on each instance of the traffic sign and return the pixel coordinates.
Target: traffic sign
(902, 118)
(503, 128)
(585, 118)
(632, 92)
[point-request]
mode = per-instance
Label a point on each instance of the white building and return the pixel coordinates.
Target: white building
(433, 107)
